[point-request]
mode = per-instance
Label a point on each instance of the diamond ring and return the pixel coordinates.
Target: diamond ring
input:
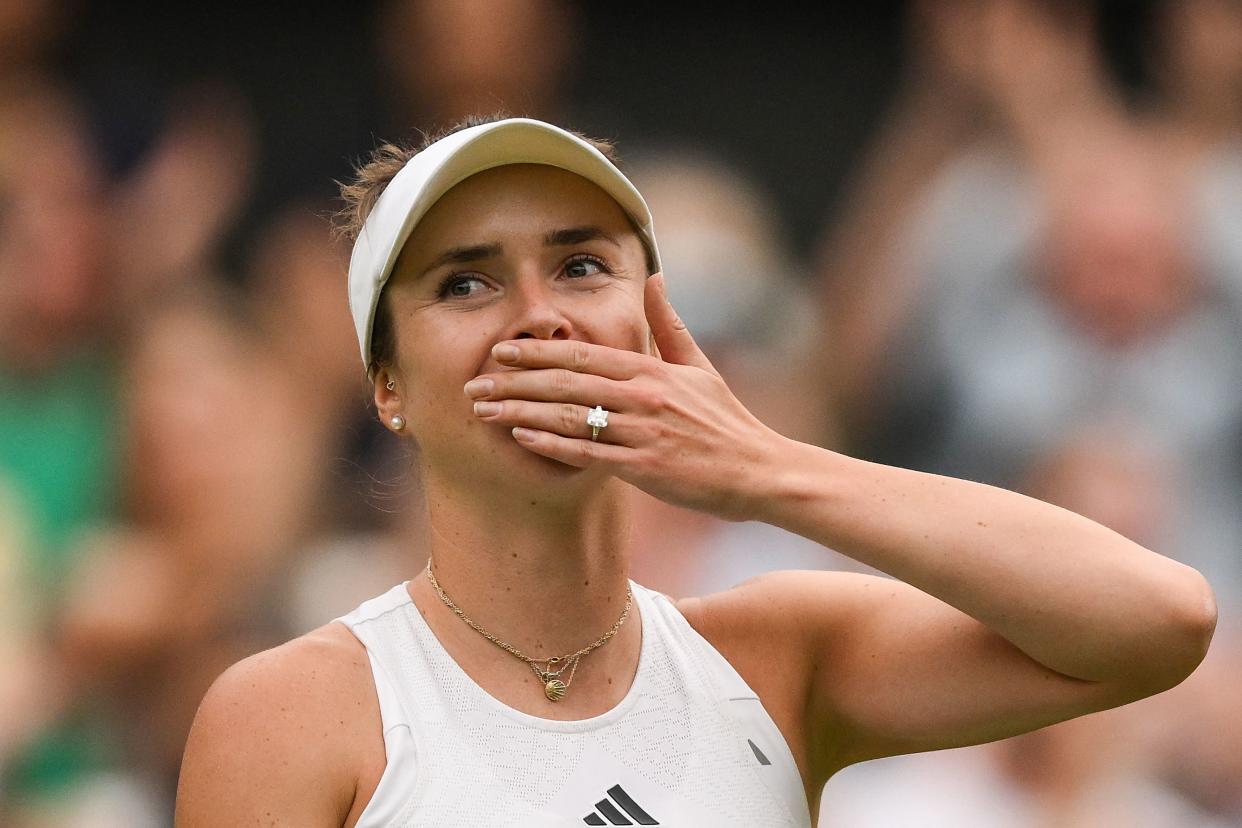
(597, 418)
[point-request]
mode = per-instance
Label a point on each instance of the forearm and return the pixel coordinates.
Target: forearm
(1070, 593)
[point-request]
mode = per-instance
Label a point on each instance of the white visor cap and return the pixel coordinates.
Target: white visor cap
(437, 169)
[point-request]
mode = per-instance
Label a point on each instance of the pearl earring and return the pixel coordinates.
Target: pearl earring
(398, 422)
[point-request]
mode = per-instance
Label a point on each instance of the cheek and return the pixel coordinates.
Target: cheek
(621, 323)
(436, 362)
(640, 337)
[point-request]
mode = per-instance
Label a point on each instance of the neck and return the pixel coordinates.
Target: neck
(546, 577)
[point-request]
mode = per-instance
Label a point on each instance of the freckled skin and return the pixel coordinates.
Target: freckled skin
(444, 342)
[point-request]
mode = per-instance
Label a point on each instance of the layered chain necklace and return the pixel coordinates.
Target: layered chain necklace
(553, 687)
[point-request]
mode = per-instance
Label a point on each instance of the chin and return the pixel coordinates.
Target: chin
(495, 452)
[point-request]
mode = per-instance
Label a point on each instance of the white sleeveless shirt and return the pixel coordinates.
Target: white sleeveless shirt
(690, 745)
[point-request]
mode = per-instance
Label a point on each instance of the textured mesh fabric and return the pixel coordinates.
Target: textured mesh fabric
(690, 744)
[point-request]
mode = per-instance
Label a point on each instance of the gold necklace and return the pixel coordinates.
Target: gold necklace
(553, 687)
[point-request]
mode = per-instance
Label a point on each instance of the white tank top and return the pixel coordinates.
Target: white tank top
(689, 746)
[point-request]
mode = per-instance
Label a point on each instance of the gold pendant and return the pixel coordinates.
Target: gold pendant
(554, 689)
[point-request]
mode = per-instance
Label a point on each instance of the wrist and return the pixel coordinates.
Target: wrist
(795, 477)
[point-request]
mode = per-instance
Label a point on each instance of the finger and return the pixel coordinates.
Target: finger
(671, 336)
(572, 354)
(570, 450)
(565, 419)
(548, 385)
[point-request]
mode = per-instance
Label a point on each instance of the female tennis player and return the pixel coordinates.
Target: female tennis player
(510, 311)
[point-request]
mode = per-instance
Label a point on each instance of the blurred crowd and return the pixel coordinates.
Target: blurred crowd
(1034, 280)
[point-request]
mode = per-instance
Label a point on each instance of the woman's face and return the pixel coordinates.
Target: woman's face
(513, 252)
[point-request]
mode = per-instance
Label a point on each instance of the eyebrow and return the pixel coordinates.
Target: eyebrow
(564, 237)
(576, 235)
(463, 255)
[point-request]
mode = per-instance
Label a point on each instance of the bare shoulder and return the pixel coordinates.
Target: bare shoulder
(280, 736)
(780, 628)
(814, 618)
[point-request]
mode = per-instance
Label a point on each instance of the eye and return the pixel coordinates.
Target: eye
(458, 286)
(582, 266)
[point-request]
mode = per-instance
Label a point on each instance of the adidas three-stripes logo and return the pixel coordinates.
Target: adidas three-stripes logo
(612, 810)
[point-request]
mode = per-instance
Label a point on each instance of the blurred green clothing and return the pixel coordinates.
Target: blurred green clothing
(62, 756)
(59, 450)
(59, 455)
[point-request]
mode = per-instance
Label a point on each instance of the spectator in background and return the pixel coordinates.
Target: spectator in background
(1039, 289)
(1197, 64)
(445, 60)
(195, 576)
(294, 278)
(866, 288)
(192, 567)
(367, 487)
(58, 408)
(1050, 276)
(82, 259)
(1196, 121)
(58, 392)
(171, 214)
(735, 283)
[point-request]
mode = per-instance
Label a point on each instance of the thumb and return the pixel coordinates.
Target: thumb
(671, 337)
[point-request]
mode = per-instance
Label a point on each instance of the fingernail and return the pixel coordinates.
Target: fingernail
(505, 353)
(486, 409)
(524, 434)
(479, 387)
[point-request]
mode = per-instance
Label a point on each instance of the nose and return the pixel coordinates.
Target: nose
(538, 313)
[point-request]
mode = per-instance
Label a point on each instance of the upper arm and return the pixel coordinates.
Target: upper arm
(273, 742)
(896, 670)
